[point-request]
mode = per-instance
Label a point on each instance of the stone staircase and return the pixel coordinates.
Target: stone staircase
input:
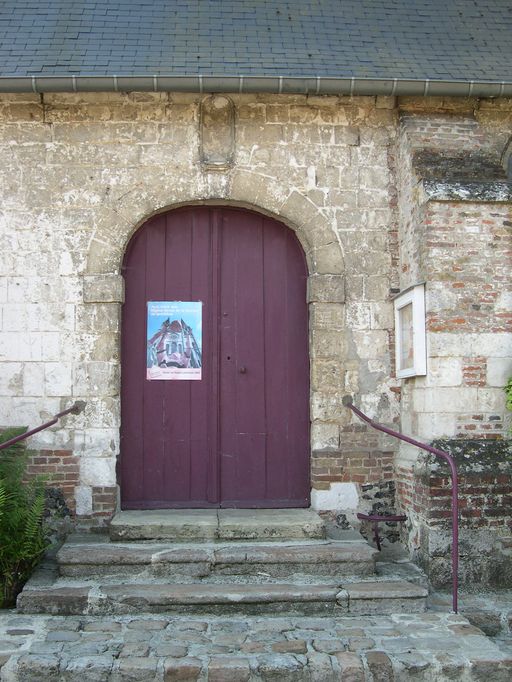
(218, 563)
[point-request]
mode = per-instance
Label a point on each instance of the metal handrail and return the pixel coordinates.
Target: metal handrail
(347, 402)
(76, 408)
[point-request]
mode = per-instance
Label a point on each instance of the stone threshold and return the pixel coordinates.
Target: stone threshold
(216, 524)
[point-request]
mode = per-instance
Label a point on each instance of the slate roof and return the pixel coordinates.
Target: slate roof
(434, 39)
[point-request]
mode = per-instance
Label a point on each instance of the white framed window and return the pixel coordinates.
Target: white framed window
(410, 335)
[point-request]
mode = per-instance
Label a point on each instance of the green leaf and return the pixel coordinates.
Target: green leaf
(23, 537)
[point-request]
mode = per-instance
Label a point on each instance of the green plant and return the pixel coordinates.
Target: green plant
(508, 393)
(23, 538)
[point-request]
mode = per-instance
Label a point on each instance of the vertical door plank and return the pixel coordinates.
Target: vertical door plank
(278, 338)
(298, 373)
(177, 394)
(133, 344)
(154, 435)
(242, 401)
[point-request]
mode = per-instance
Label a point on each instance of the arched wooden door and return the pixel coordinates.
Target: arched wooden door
(239, 435)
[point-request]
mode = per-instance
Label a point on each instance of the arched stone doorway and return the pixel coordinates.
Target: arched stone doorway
(235, 431)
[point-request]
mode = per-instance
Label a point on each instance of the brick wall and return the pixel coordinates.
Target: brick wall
(60, 469)
(469, 319)
(362, 465)
(455, 227)
(485, 497)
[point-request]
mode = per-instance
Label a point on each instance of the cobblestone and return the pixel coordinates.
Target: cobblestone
(440, 646)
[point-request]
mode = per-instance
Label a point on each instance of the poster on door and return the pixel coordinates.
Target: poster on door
(174, 340)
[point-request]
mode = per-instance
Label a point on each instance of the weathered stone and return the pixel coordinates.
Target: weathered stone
(291, 646)
(64, 600)
(360, 643)
(386, 597)
(62, 636)
(146, 624)
(328, 646)
(320, 668)
(380, 666)
(182, 670)
(252, 647)
(328, 288)
(487, 621)
(89, 668)
(103, 626)
(169, 649)
(51, 648)
(103, 289)
(228, 669)
(175, 525)
(282, 667)
(137, 669)
(138, 649)
(288, 524)
(37, 667)
(217, 598)
(18, 632)
(351, 667)
(482, 670)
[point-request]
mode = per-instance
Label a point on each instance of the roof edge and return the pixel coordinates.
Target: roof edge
(305, 85)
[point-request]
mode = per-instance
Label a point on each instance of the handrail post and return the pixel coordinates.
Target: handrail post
(347, 402)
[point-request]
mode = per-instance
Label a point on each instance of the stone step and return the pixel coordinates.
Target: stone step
(211, 561)
(193, 525)
(359, 598)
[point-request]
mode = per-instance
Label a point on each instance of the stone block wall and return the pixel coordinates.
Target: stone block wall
(357, 178)
(81, 172)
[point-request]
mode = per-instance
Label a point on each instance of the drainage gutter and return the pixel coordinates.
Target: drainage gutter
(314, 85)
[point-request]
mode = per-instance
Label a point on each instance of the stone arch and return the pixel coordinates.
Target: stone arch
(117, 221)
(123, 216)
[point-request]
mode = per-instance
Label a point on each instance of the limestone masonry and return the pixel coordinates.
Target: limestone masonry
(383, 193)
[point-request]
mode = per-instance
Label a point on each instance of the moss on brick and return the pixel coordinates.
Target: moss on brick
(474, 455)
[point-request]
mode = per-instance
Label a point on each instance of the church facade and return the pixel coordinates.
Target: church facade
(356, 201)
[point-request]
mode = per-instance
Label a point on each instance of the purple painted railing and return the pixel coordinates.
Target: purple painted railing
(78, 407)
(347, 401)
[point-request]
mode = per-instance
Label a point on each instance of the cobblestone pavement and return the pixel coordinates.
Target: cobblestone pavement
(427, 646)
(489, 611)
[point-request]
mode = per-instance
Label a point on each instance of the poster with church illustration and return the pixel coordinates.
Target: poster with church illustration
(174, 340)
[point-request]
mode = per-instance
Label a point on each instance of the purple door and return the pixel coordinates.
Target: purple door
(239, 437)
